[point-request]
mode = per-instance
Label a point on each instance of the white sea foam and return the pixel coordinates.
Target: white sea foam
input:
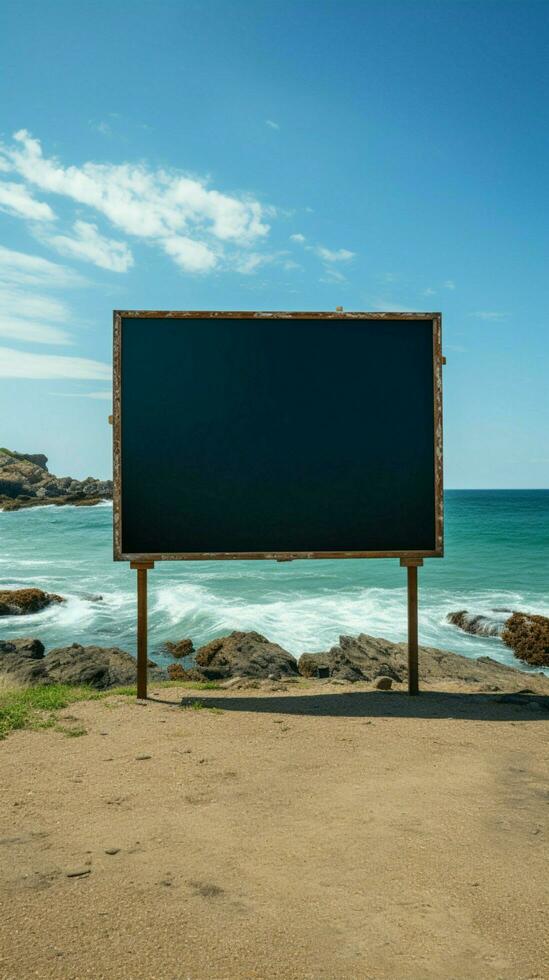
(31, 562)
(298, 622)
(72, 612)
(301, 622)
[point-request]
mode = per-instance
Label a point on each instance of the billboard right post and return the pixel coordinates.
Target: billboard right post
(412, 565)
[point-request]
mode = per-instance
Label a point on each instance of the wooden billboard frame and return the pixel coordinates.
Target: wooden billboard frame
(120, 555)
(143, 562)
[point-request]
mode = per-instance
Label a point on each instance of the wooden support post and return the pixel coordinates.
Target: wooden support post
(412, 565)
(142, 656)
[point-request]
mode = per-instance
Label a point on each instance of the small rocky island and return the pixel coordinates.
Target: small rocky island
(526, 633)
(25, 481)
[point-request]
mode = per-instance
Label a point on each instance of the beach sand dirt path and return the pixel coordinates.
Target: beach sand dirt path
(344, 834)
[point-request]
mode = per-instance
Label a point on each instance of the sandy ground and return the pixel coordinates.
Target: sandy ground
(342, 834)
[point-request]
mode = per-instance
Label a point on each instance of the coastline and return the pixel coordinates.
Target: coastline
(495, 557)
(248, 660)
(25, 482)
(7, 505)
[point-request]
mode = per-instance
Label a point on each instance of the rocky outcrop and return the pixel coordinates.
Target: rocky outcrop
(23, 660)
(480, 624)
(378, 657)
(37, 458)
(22, 602)
(100, 667)
(176, 672)
(26, 482)
(528, 637)
(526, 633)
(372, 657)
(179, 648)
(244, 655)
(250, 660)
(334, 665)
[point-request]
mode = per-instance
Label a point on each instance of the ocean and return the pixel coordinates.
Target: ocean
(497, 555)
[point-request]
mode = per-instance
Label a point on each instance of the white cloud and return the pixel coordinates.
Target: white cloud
(272, 124)
(251, 262)
(16, 199)
(190, 255)
(333, 275)
(31, 331)
(23, 303)
(429, 291)
(25, 307)
(87, 243)
(449, 284)
(20, 269)
(20, 364)
(329, 255)
(489, 315)
(164, 206)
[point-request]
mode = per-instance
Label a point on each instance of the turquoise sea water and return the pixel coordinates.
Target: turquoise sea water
(497, 554)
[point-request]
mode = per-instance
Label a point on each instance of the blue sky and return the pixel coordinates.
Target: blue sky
(281, 155)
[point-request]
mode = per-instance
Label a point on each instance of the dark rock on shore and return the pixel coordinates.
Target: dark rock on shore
(384, 683)
(75, 500)
(26, 482)
(22, 602)
(244, 655)
(338, 666)
(360, 658)
(28, 647)
(479, 624)
(100, 667)
(23, 660)
(249, 659)
(528, 637)
(527, 634)
(176, 672)
(378, 657)
(179, 648)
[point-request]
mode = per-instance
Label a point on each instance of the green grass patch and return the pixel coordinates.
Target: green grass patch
(75, 732)
(201, 706)
(36, 707)
(128, 690)
(190, 685)
(194, 706)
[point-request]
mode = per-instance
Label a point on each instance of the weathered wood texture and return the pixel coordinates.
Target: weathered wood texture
(142, 567)
(412, 566)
